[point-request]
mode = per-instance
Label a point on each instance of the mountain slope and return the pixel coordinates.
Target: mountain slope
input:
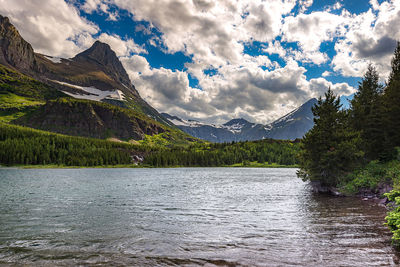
(15, 52)
(291, 126)
(295, 124)
(94, 76)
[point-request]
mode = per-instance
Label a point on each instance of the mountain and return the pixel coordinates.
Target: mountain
(291, 126)
(15, 52)
(87, 95)
(295, 124)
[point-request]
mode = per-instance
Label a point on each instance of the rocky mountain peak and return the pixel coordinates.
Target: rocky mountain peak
(240, 121)
(102, 55)
(14, 50)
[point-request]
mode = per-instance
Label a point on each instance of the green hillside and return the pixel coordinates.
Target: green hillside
(27, 101)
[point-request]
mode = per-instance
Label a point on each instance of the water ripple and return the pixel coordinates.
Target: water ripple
(183, 217)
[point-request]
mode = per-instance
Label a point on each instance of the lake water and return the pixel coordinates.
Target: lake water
(183, 217)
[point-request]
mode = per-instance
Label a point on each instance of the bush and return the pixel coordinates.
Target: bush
(393, 217)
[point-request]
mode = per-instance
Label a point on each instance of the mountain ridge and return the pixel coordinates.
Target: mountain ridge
(291, 126)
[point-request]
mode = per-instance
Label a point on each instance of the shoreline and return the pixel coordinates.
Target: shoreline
(133, 166)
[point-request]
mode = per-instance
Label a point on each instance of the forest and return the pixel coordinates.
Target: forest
(26, 146)
(226, 154)
(358, 148)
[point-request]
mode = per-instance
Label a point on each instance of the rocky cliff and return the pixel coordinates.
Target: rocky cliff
(15, 52)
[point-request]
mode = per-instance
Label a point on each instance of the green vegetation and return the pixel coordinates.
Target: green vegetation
(172, 137)
(264, 152)
(371, 176)
(14, 106)
(9, 100)
(358, 149)
(331, 148)
(393, 217)
(339, 148)
(19, 84)
(22, 145)
(25, 146)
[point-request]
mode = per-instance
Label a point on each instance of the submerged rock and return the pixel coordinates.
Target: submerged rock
(317, 187)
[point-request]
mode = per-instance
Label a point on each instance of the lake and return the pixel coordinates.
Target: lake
(183, 217)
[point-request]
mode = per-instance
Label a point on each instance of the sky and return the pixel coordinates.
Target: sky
(215, 60)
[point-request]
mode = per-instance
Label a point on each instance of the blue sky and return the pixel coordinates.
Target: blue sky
(218, 60)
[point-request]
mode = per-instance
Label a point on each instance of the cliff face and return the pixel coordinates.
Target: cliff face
(15, 52)
(90, 119)
(100, 54)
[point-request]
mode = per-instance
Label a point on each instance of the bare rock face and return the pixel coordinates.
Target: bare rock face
(90, 119)
(14, 50)
(101, 54)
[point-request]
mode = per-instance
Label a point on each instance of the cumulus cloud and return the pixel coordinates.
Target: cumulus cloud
(319, 86)
(214, 33)
(248, 91)
(56, 28)
(371, 38)
(102, 6)
(122, 47)
(53, 27)
(326, 73)
(310, 30)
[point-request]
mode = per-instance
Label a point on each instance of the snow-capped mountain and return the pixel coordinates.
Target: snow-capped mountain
(291, 126)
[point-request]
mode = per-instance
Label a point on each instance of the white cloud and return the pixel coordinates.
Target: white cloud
(310, 30)
(304, 4)
(214, 33)
(53, 27)
(371, 38)
(121, 47)
(326, 73)
(319, 86)
(102, 6)
(247, 91)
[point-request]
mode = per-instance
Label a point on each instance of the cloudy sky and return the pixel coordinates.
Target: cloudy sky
(216, 60)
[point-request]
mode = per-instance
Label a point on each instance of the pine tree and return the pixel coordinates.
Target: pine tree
(367, 114)
(392, 100)
(331, 148)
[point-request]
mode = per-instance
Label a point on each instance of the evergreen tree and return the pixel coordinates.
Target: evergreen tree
(392, 101)
(367, 114)
(331, 148)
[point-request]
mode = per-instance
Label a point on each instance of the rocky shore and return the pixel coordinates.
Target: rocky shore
(376, 194)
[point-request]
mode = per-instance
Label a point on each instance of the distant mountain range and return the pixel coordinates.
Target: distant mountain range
(291, 126)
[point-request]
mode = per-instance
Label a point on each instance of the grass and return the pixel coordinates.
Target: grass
(22, 85)
(9, 100)
(8, 116)
(13, 106)
(371, 176)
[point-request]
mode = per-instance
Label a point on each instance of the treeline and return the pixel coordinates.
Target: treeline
(342, 141)
(225, 154)
(26, 146)
(22, 145)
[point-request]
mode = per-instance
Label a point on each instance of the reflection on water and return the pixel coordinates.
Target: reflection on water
(188, 216)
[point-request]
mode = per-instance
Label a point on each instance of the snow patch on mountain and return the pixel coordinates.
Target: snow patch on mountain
(234, 128)
(92, 93)
(54, 59)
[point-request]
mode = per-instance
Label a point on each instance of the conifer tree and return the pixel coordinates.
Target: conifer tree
(367, 114)
(392, 101)
(331, 148)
